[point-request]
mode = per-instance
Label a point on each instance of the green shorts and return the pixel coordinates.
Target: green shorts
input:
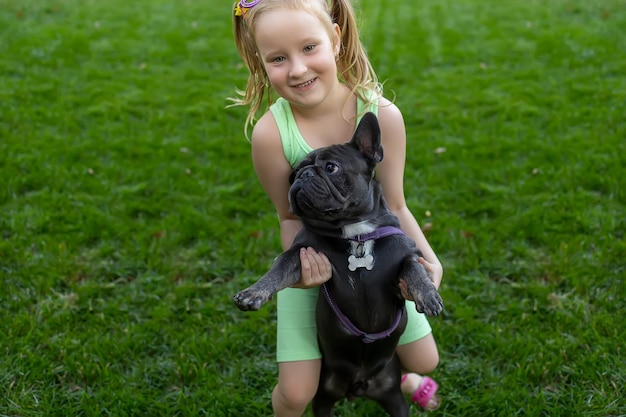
(296, 333)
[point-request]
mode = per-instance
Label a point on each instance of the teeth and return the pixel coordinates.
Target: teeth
(304, 84)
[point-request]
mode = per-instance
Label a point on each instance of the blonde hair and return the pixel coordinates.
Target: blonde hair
(353, 66)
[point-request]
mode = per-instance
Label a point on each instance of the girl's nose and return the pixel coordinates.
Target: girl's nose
(298, 68)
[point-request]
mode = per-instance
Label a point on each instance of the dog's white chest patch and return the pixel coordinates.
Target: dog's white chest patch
(361, 253)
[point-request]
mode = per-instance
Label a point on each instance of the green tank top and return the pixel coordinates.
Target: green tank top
(295, 147)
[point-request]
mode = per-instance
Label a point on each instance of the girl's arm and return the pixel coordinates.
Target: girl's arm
(273, 171)
(390, 173)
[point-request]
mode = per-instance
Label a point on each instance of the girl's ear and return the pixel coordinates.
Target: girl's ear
(336, 39)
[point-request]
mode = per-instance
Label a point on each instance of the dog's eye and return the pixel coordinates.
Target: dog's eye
(331, 168)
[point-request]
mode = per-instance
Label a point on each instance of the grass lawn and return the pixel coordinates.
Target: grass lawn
(130, 213)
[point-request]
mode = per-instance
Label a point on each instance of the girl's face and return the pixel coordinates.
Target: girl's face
(298, 55)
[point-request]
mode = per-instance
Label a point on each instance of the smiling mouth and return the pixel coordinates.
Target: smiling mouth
(305, 84)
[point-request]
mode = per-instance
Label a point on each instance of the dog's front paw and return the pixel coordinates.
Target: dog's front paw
(428, 302)
(250, 299)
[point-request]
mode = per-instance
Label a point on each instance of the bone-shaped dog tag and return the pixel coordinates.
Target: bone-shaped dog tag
(366, 262)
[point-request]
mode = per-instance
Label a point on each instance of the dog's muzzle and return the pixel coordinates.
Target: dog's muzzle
(313, 189)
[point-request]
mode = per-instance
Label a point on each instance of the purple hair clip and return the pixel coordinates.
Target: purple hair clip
(243, 6)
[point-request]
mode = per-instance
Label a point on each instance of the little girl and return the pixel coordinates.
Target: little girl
(308, 52)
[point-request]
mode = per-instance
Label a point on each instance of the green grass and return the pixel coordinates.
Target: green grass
(130, 213)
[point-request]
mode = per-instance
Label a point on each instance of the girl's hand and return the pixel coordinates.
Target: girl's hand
(316, 268)
(435, 271)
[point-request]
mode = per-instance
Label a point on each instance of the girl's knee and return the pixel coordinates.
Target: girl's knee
(420, 356)
(429, 362)
(297, 383)
(295, 396)
(421, 365)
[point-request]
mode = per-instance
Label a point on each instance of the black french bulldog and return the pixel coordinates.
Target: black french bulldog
(361, 313)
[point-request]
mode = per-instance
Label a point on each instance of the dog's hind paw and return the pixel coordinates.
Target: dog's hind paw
(250, 300)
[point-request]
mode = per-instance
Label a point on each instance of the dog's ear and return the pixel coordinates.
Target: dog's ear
(367, 137)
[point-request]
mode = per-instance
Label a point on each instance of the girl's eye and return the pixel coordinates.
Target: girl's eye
(309, 48)
(278, 59)
(331, 168)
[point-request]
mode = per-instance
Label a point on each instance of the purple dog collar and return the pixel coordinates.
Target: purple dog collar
(378, 234)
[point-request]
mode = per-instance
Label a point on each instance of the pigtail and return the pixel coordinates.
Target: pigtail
(353, 65)
(257, 83)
